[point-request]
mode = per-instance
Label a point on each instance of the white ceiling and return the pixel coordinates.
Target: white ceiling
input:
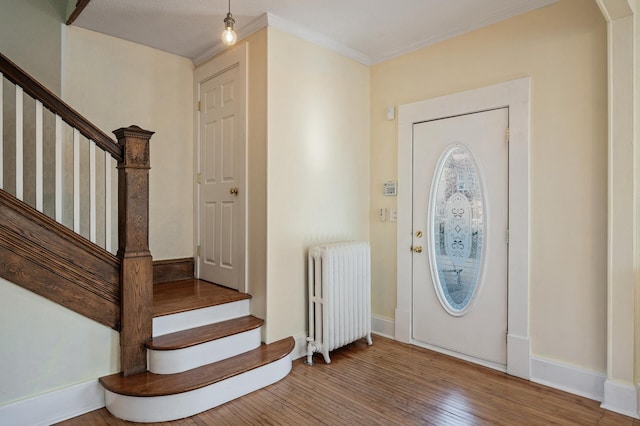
(369, 31)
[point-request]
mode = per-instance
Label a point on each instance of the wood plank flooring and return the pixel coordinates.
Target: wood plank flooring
(391, 383)
(185, 295)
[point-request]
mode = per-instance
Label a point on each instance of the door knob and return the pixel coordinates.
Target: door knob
(417, 249)
(233, 191)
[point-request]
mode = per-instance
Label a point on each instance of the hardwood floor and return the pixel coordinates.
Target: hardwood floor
(391, 383)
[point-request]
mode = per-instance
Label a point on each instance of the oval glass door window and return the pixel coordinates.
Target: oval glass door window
(457, 220)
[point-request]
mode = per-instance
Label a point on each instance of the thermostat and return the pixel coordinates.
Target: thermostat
(390, 189)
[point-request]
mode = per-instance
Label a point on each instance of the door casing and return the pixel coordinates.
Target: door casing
(515, 95)
(219, 64)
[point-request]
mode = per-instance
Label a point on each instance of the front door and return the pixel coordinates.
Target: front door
(221, 182)
(460, 235)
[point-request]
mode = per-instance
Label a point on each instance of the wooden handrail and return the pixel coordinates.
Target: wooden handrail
(37, 91)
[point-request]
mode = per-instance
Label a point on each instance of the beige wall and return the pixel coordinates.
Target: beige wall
(115, 83)
(563, 49)
(30, 36)
(317, 167)
(256, 173)
(46, 347)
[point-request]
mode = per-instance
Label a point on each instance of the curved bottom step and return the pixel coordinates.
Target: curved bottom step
(168, 397)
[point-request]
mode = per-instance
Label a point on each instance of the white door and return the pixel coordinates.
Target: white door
(221, 182)
(460, 222)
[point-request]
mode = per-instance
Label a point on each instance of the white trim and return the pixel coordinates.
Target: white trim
(254, 26)
(620, 398)
(518, 350)
(300, 349)
(622, 232)
(54, 406)
(271, 20)
(568, 378)
(514, 94)
(383, 326)
(316, 38)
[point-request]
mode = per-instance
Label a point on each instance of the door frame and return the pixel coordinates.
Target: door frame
(515, 95)
(236, 56)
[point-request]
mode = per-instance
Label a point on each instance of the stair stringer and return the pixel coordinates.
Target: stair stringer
(41, 255)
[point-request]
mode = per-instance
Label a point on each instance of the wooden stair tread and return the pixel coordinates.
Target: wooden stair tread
(148, 384)
(185, 295)
(206, 333)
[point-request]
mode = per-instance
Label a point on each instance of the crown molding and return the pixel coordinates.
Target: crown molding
(316, 38)
(271, 20)
(252, 27)
(501, 15)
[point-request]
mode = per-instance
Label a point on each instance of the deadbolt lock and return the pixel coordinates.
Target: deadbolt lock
(418, 234)
(417, 249)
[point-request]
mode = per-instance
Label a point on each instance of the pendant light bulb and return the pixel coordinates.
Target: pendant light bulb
(229, 36)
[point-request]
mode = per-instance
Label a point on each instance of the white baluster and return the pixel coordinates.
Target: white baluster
(92, 191)
(1, 132)
(39, 166)
(19, 144)
(76, 181)
(58, 169)
(107, 201)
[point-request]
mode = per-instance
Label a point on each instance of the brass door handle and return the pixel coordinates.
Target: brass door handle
(233, 191)
(417, 249)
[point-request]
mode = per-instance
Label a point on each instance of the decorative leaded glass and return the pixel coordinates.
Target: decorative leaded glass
(457, 228)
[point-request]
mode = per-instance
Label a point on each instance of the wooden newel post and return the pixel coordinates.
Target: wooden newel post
(136, 271)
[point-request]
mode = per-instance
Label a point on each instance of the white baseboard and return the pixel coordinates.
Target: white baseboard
(300, 349)
(403, 326)
(568, 378)
(383, 326)
(518, 356)
(54, 406)
(621, 398)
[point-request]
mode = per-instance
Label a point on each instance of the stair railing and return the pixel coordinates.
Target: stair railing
(83, 196)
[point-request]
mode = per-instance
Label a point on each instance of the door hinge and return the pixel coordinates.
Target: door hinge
(508, 135)
(507, 235)
(198, 105)
(198, 251)
(199, 178)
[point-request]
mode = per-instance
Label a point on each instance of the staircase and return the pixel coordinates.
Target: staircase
(185, 346)
(205, 351)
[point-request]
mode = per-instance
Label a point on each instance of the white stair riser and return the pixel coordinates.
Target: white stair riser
(173, 407)
(179, 360)
(185, 320)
